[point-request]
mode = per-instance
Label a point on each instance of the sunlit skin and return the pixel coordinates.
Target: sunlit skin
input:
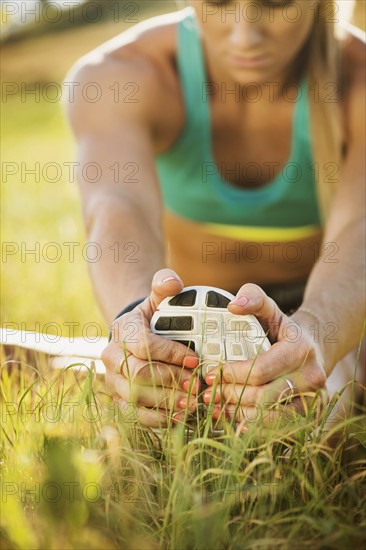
(273, 31)
(237, 51)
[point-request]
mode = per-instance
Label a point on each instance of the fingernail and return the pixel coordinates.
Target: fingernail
(170, 279)
(184, 403)
(210, 379)
(178, 417)
(242, 428)
(190, 361)
(239, 301)
(187, 384)
(216, 411)
(207, 396)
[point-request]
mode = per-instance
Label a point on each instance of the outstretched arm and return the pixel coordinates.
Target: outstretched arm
(120, 196)
(142, 369)
(335, 294)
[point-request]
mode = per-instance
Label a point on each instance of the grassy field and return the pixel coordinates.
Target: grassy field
(78, 473)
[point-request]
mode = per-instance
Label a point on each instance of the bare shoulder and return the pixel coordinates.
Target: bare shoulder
(133, 75)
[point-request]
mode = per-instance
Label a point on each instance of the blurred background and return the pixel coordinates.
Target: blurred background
(45, 284)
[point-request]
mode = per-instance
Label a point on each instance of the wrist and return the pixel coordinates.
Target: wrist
(323, 334)
(309, 312)
(127, 309)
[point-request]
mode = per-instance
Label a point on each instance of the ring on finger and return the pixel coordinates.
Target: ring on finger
(288, 393)
(289, 396)
(122, 363)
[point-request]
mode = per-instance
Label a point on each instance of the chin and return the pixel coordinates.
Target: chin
(251, 77)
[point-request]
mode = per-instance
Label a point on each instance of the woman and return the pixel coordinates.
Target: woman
(237, 131)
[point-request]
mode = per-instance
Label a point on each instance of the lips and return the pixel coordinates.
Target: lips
(248, 61)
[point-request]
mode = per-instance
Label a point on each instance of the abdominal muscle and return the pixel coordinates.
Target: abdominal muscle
(201, 258)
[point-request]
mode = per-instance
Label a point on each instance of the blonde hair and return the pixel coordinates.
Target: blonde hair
(324, 98)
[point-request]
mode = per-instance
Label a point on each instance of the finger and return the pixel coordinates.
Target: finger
(132, 332)
(145, 372)
(117, 360)
(251, 299)
(160, 374)
(156, 397)
(165, 283)
(248, 395)
(168, 351)
(265, 367)
(245, 395)
(130, 413)
(113, 356)
(281, 359)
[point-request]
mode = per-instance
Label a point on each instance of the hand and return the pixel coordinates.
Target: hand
(257, 384)
(152, 373)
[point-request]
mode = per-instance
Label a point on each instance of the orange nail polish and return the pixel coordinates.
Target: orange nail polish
(190, 361)
(183, 403)
(186, 385)
(210, 378)
(207, 396)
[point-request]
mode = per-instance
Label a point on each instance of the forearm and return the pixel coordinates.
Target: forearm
(132, 252)
(333, 306)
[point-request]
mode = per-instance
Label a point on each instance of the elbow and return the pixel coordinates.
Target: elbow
(103, 210)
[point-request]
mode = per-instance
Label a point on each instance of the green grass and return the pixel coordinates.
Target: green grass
(79, 473)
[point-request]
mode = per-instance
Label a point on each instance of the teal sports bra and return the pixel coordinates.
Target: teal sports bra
(192, 186)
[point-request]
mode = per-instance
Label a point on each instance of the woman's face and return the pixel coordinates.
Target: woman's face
(255, 40)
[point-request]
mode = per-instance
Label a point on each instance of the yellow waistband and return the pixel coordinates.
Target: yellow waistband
(262, 234)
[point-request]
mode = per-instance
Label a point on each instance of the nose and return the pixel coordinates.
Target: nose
(246, 29)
